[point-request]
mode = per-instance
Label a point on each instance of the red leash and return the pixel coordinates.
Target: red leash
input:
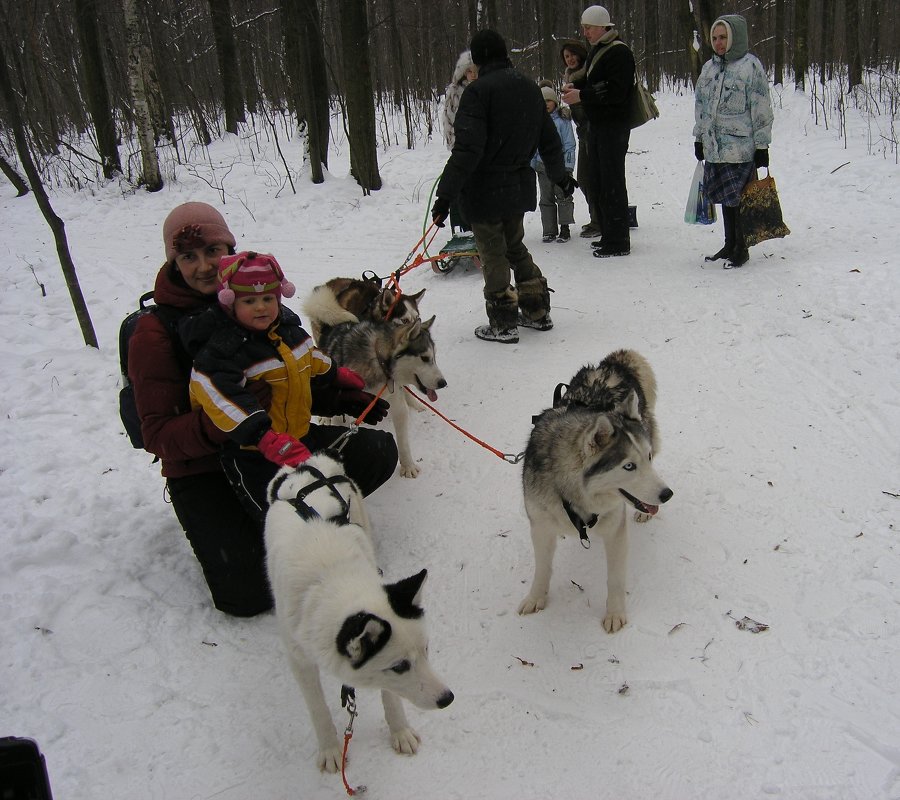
(510, 458)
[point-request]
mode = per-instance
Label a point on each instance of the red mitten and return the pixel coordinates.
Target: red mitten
(346, 378)
(283, 449)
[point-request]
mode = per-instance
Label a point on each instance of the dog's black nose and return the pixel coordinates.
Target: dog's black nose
(665, 495)
(441, 384)
(445, 699)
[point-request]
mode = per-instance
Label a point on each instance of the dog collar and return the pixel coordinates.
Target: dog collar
(580, 524)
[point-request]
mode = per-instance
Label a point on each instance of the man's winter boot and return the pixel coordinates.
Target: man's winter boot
(740, 255)
(729, 215)
(502, 309)
(534, 304)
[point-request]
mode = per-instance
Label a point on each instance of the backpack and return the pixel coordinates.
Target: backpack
(641, 106)
(169, 316)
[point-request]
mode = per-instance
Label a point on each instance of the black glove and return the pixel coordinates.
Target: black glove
(439, 211)
(354, 401)
(568, 185)
(331, 401)
(698, 150)
(761, 158)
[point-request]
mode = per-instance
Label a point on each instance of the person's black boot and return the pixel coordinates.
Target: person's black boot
(729, 215)
(740, 255)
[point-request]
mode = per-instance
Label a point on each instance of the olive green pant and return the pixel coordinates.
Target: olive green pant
(502, 251)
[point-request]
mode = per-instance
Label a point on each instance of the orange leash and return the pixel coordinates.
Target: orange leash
(348, 700)
(510, 458)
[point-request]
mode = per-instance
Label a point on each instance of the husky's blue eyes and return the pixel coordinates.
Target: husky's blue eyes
(400, 667)
(630, 467)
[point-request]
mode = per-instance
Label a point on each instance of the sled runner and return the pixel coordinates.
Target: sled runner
(459, 247)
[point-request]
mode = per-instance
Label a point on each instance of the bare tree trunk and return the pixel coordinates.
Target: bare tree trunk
(801, 43)
(704, 18)
(149, 159)
(13, 177)
(851, 32)
(226, 52)
(779, 42)
(358, 91)
(875, 28)
(14, 118)
(651, 44)
(305, 64)
(694, 39)
(548, 46)
(95, 87)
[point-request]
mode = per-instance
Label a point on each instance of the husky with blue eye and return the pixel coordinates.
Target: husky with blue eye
(588, 458)
(333, 609)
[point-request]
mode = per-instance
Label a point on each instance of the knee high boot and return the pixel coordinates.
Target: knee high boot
(729, 218)
(740, 255)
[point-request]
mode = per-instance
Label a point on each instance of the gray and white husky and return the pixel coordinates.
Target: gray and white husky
(383, 352)
(333, 610)
(586, 458)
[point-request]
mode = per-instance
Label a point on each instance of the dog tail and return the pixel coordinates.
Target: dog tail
(323, 310)
(633, 361)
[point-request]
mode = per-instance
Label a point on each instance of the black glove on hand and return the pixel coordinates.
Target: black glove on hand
(568, 185)
(439, 211)
(698, 150)
(354, 401)
(332, 401)
(761, 158)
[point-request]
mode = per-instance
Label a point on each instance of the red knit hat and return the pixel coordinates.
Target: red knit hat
(251, 273)
(193, 225)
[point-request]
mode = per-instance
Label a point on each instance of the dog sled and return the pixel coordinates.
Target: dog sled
(460, 246)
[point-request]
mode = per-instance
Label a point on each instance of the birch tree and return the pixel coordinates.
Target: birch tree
(150, 176)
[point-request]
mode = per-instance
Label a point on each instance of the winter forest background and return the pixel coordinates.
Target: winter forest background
(103, 88)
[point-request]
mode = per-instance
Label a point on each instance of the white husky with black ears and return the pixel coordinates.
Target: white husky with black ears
(333, 610)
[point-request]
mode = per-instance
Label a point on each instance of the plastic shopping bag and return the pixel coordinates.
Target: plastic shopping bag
(699, 210)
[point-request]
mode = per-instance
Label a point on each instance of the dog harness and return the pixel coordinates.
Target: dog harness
(307, 512)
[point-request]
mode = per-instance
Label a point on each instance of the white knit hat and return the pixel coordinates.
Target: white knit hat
(596, 15)
(549, 94)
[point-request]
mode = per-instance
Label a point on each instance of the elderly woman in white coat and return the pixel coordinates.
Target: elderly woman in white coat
(733, 127)
(463, 74)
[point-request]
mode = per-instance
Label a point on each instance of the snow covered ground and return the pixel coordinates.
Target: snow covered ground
(780, 414)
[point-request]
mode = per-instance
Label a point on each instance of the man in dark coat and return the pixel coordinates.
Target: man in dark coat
(501, 121)
(605, 94)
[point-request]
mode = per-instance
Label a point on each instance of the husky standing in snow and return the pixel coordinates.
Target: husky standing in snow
(333, 610)
(586, 458)
(383, 352)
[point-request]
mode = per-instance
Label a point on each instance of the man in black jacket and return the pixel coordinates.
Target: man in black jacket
(605, 94)
(502, 119)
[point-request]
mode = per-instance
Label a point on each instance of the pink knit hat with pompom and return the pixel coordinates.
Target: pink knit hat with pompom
(251, 273)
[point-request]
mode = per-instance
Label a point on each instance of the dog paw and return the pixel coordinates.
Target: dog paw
(532, 604)
(330, 759)
(613, 622)
(405, 741)
(409, 470)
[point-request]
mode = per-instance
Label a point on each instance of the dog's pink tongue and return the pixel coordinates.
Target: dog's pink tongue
(651, 510)
(432, 395)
